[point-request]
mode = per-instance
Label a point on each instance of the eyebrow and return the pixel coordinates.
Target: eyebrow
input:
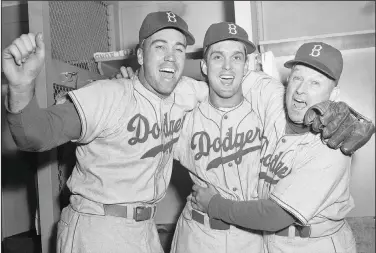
(221, 52)
(165, 41)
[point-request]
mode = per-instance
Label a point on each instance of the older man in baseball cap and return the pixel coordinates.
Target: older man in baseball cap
(126, 130)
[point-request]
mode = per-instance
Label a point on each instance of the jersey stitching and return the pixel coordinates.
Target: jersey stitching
(333, 245)
(237, 167)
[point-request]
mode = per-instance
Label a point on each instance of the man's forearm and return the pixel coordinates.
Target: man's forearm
(19, 99)
(261, 214)
(34, 129)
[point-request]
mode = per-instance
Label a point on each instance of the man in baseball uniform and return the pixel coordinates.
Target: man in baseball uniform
(126, 131)
(220, 143)
(303, 182)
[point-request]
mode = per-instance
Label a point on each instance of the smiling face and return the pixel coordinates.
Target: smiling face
(162, 58)
(307, 87)
(225, 65)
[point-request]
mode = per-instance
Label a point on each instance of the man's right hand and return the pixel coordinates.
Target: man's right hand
(23, 60)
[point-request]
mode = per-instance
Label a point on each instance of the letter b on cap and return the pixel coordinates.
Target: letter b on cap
(232, 29)
(171, 17)
(316, 51)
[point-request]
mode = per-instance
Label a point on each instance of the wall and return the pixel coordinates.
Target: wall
(309, 18)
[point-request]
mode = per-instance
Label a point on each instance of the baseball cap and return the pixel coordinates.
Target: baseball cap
(227, 31)
(156, 21)
(321, 57)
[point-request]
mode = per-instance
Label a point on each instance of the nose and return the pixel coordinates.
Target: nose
(301, 88)
(170, 56)
(226, 64)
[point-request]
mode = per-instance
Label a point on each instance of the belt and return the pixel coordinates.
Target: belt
(214, 223)
(139, 213)
(300, 231)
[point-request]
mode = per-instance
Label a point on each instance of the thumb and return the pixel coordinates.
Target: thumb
(40, 44)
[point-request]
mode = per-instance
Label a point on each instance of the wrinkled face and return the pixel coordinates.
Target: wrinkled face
(162, 57)
(306, 87)
(225, 65)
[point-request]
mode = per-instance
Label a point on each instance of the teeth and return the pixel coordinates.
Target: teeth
(169, 70)
(227, 77)
(299, 101)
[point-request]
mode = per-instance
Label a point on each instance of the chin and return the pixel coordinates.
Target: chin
(295, 116)
(297, 119)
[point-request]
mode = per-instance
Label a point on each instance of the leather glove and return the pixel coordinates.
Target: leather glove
(340, 125)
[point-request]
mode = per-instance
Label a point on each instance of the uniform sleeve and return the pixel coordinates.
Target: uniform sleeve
(266, 94)
(99, 105)
(201, 90)
(261, 214)
(314, 184)
(189, 92)
(36, 130)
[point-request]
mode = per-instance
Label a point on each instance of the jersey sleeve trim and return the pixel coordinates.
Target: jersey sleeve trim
(289, 209)
(81, 115)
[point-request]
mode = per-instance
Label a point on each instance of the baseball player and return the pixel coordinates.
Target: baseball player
(126, 131)
(220, 143)
(303, 183)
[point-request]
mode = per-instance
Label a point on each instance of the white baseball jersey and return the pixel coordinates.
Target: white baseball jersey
(310, 181)
(128, 134)
(224, 149)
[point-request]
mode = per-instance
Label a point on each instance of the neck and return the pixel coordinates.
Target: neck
(141, 77)
(225, 102)
(296, 128)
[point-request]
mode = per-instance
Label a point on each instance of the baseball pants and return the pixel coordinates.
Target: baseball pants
(80, 232)
(193, 237)
(342, 241)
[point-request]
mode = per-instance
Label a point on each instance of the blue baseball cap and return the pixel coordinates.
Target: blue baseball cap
(227, 31)
(320, 56)
(156, 21)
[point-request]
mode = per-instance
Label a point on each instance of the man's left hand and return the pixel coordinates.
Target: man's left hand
(340, 125)
(202, 196)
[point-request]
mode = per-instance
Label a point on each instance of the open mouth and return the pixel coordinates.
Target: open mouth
(167, 73)
(227, 79)
(299, 104)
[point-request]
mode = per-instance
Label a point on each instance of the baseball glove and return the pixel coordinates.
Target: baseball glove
(340, 125)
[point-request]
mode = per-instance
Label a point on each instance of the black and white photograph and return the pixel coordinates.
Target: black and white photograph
(187, 126)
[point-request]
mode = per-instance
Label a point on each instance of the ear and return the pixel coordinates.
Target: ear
(140, 56)
(204, 67)
(334, 95)
(246, 66)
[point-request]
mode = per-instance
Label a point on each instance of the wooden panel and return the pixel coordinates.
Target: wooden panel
(291, 19)
(14, 22)
(47, 178)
